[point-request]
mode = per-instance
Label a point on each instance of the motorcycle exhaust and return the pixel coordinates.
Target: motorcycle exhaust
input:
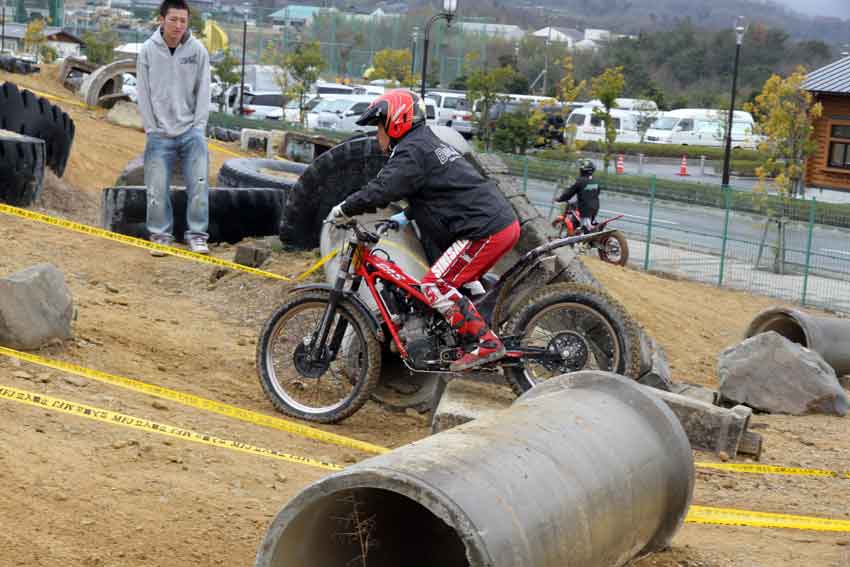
(588, 469)
(827, 336)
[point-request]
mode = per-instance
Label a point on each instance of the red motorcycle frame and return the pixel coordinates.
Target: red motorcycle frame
(611, 245)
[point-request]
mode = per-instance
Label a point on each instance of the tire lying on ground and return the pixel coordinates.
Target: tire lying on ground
(235, 213)
(15, 65)
(22, 161)
(23, 112)
(253, 172)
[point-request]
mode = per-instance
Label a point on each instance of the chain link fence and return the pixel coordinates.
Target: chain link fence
(797, 250)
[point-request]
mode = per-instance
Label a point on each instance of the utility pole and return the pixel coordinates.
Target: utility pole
(242, 82)
(546, 54)
(740, 30)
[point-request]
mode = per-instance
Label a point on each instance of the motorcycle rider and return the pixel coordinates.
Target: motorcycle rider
(462, 212)
(583, 196)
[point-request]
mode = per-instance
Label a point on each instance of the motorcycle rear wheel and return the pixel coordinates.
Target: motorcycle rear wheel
(614, 249)
(325, 391)
(610, 335)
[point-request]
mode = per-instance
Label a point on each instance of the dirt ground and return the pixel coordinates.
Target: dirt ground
(89, 494)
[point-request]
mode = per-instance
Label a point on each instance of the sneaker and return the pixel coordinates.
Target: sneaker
(489, 349)
(198, 245)
(163, 240)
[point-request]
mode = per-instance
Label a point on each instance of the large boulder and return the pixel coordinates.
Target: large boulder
(35, 308)
(770, 373)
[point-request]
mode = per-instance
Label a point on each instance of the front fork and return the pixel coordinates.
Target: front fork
(317, 350)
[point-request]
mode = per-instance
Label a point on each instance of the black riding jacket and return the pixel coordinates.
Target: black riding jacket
(449, 199)
(587, 191)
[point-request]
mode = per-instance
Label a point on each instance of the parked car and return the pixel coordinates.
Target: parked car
(263, 105)
(342, 114)
(452, 106)
(702, 127)
(590, 127)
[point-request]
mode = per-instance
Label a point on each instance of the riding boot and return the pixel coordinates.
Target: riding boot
(470, 326)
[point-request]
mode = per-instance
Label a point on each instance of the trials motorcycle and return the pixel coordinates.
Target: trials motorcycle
(610, 244)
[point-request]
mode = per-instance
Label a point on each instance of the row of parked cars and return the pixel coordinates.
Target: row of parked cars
(335, 106)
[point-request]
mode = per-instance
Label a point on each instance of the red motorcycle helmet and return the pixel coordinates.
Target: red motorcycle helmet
(398, 110)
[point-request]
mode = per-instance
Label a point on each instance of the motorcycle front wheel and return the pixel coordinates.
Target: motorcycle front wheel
(340, 381)
(580, 328)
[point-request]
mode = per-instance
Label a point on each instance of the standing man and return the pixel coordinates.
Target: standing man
(173, 78)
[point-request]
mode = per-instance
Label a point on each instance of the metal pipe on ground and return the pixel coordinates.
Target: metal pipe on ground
(589, 469)
(828, 336)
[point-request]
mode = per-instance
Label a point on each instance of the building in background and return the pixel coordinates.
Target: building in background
(829, 165)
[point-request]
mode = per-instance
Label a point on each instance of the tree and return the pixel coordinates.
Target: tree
(784, 114)
(49, 54)
(393, 64)
(228, 74)
(197, 25)
(100, 46)
(569, 91)
(607, 87)
(515, 131)
(303, 65)
(483, 86)
(646, 115)
(34, 37)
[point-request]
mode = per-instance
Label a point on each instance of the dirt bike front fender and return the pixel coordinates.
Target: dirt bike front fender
(355, 302)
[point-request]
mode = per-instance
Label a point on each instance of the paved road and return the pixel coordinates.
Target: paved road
(702, 228)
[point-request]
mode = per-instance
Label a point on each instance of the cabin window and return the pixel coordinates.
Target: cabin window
(839, 146)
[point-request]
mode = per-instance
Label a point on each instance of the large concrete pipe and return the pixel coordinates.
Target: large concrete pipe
(828, 336)
(590, 471)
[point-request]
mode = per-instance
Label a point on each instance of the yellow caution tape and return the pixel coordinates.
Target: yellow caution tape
(318, 264)
(60, 99)
(97, 414)
(223, 150)
(138, 242)
(198, 402)
(733, 517)
(771, 469)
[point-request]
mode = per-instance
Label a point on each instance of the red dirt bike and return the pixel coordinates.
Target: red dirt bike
(319, 355)
(611, 245)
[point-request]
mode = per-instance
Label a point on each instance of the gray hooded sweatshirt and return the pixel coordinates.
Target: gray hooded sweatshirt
(173, 90)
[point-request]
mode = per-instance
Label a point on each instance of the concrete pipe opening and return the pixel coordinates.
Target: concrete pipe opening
(367, 526)
(781, 322)
(586, 470)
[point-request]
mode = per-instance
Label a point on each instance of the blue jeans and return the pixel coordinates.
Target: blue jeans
(161, 153)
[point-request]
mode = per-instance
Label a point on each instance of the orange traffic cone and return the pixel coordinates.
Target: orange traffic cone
(683, 169)
(620, 169)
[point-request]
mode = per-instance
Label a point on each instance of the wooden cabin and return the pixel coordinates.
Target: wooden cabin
(829, 166)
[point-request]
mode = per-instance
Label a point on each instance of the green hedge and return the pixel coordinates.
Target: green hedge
(686, 192)
(233, 122)
(657, 150)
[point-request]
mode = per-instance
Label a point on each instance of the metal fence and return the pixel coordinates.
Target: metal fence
(802, 257)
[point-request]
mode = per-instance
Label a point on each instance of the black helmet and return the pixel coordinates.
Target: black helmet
(399, 110)
(586, 167)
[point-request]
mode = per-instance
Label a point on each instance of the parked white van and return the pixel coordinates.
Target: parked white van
(702, 127)
(590, 128)
(452, 106)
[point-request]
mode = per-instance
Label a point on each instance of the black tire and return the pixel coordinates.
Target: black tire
(367, 352)
(23, 112)
(614, 249)
(22, 161)
(601, 314)
(235, 213)
(251, 172)
(328, 180)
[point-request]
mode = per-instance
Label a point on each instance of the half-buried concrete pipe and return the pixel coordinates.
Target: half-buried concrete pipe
(827, 336)
(591, 472)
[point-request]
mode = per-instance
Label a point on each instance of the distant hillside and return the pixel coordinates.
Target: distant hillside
(633, 16)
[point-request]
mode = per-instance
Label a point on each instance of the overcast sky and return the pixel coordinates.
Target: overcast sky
(838, 8)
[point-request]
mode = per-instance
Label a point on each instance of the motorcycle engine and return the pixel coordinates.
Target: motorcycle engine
(424, 338)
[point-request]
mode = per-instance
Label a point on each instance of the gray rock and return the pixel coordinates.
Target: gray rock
(125, 114)
(770, 373)
(134, 174)
(36, 307)
(658, 376)
(251, 256)
(696, 392)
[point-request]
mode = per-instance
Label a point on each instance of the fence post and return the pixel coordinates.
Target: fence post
(649, 223)
(812, 210)
(640, 164)
(525, 174)
(702, 166)
(726, 205)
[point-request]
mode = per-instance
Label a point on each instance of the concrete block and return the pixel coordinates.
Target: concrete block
(465, 400)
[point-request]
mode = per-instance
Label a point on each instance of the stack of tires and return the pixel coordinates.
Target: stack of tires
(34, 134)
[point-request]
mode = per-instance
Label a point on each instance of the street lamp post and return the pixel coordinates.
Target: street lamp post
(740, 30)
(413, 50)
(449, 9)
